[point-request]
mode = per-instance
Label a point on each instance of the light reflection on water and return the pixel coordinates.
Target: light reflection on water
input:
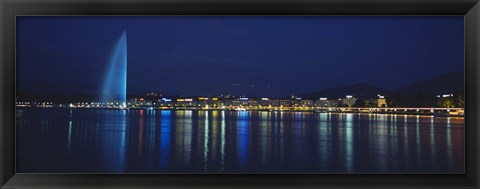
(167, 141)
(164, 138)
(242, 138)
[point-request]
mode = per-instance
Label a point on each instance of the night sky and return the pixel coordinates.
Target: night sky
(248, 55)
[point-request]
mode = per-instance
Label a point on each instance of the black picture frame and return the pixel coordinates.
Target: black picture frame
(9, 9)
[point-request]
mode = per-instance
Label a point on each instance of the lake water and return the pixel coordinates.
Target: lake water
(166, 141)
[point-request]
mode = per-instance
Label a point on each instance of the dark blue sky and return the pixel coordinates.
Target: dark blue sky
(205, 55)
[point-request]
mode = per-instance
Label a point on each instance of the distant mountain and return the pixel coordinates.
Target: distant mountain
(444, 84)
(448, 83)
(364, 90)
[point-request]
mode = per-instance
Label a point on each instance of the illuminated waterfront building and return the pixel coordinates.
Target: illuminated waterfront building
(283, 102)
(381, 102)
(274, 102)
(324, 102)
(184, 102)
(166, 102)
(264, 102)
(306, 102)
(139, 102)
(349, 101)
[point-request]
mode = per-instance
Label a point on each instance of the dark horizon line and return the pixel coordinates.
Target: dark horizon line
(255, 96)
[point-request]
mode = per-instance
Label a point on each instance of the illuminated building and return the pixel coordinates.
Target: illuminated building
(282, 102)
(349, 101)
(185, 102)
(264, 102)
(324, 102)
(274, 102)
(382, 102)
(139, 102)
(306, 102)
(166, 102)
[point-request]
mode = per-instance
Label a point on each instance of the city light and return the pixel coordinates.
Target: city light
(244, 103)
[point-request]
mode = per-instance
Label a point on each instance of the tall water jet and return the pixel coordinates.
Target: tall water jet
(115, 83)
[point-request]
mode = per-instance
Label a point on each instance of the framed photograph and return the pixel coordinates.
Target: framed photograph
(257, 94)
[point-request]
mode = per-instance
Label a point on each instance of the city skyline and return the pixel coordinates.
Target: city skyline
(442, 87)
(225, 55)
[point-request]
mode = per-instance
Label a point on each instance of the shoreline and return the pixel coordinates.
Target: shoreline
(437, 114)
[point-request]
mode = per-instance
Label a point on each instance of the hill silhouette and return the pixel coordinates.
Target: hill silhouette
(448, 83)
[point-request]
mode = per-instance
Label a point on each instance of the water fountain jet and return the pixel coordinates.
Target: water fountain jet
(115, 83)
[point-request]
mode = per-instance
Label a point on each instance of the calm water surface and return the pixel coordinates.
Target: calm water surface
(154, 141)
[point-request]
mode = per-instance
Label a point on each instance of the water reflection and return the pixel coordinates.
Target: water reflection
(449, 143)
(69, 141)
(184, 131)
(264, 126)
(141, 125)
(112, 138)
(432, 141)
(184, 141)
(222, 148)
(418, 144)
(205, 143)
(242, 138)
(324, 139)
(165, 132)
(349, 142)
